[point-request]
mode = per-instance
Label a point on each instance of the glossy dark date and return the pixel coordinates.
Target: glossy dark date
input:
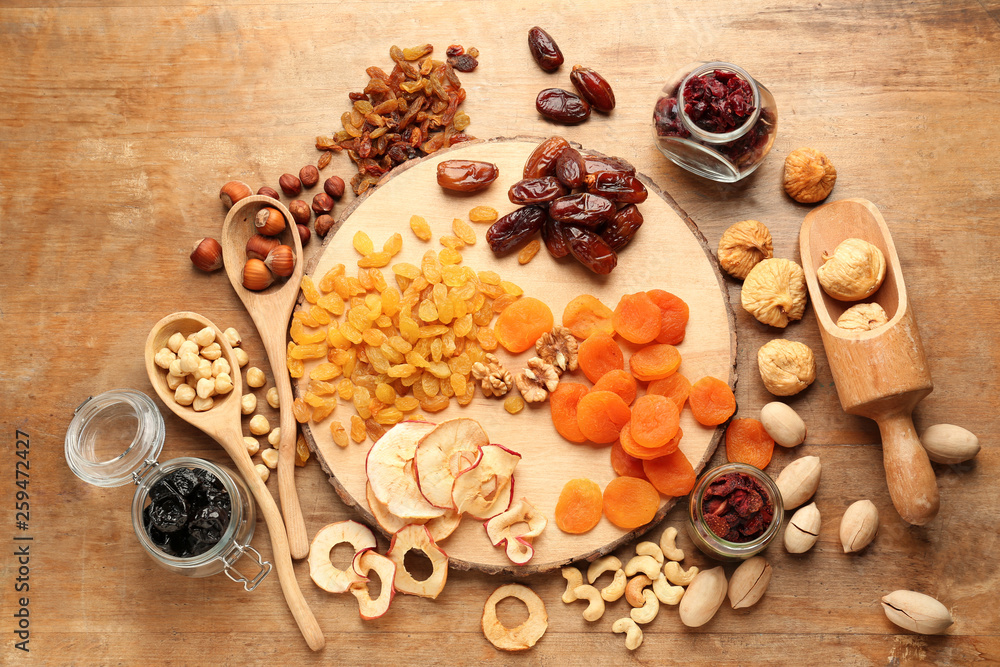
(544, 49)
(562, 106)
(555, 240)
(616, 186)
(570, 168)
(593, 87)
(542, 161)
(595, 163)
(466, 175)
(514, 228)
(536, 190)
(621, 228)
(582, 209)
(590, 249)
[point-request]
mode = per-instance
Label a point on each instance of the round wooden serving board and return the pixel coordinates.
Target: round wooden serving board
(668, 253)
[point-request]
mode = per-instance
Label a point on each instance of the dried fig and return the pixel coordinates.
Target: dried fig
(809, 175)
(775, 292)
(743, 246)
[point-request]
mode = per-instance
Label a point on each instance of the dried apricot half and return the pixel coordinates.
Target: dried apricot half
(579, 506)
(674, 315)
(619, 381)
(712, 401)
(599, 354)
(625, 464)
(672, 475)
(655, 420)
(676, 387)
(630, 502)
(601, 415)
(586, 315)
(522, 323)
(748, 442)
(655, 362)
(563, 405)
(637, 318)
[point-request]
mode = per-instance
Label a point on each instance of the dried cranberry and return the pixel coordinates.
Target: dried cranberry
(718, 101)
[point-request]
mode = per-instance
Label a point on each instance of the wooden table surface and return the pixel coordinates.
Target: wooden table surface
(121, 120)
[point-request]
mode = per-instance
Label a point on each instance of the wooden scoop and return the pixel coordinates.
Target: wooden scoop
(222, 423)
(880, 374)
(270, 310)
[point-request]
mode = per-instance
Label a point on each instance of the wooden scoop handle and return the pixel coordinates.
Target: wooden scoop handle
(908, 471)
(308, 626)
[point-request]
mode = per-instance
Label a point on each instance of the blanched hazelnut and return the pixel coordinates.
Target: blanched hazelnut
(786, 367)
(248, 403)
(263, 471)
(241, 356)
(809, 175)
(232, 336)
(743, 246)
(853, 272)
(255, 377)
(863, 317)
(270, 458)
(259, 425)
(175, 341)
(774, 292)
(272, 397)
(252, 445)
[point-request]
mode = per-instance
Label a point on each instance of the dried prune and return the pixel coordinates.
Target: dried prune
(466, 175)
(169, 514)
(562, 106)
(570, 168)
(542, 161)
(188, 513)
(583, 209)
(555, 240)
(514, 228)
(617, 186)
(593, 87)
(207, 524)
(595, 163)
(590, 249)
(544, 49)
(536, 190)
(622, 227)
(183, 480)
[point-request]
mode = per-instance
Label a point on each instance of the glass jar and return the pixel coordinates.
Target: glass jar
(721, 156)
(115, 438)
(716, 547)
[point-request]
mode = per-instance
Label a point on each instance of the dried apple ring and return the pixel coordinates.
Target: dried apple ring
(416, 536)
(321, 568)
(525, 635)
(365, 561)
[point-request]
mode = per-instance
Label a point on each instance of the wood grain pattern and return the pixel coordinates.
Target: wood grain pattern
(679, 264)
(121, 120)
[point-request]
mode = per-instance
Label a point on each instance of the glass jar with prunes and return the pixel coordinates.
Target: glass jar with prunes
(734, 512)
(192, 516)
(715, 120)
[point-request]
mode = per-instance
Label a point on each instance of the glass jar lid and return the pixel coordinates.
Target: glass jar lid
(112, 436)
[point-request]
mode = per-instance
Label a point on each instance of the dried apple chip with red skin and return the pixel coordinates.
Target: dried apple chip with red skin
(441, 455)
(515, 528)
(365, 561)
(486, 488)
(389, 522)
(390, 471)
(443, 526)
(415, 536)
(321, 568)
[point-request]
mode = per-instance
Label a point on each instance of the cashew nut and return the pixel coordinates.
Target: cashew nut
(595, 609)
(633, 591)
(573, 579)
(650, 549)
(666, 593)
(648, 611)
(616, 588)
(602, 565)
(633, 633)
(676, 574)
(645, 564)
(667, 545)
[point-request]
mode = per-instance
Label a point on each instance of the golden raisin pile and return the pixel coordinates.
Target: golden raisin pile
(393, 348)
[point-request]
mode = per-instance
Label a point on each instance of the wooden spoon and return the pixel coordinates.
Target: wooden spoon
(270, 310)
(222, 423)
(880, 374)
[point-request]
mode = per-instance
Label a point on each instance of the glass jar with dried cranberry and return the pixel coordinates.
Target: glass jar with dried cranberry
(734, 512)
(192, 516)
(715, 120)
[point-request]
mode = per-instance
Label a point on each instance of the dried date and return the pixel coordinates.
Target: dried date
(583, 209)
(544, 49)
(555, 240)
(595, 163)
(590, 249)
(593, 87)
(466, 175)
(514, 228)
(616, 186)
(536, 190)
(622, 227)
(562, 106)
(570, 168)
(542, 161)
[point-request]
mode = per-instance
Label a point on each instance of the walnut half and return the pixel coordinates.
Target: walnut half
(537, 380)
(494, 379)
(558, 348)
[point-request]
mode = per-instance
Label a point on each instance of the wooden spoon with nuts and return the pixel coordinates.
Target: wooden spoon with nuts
(270, 310)
(880, 373)
(222, 423)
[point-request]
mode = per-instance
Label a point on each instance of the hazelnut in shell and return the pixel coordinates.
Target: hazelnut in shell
(304, 234)
(269, 221)
(322, 203)
(268, 191)
(258, 246)
(290, 185)
(281, 261)
(233, 191)
(256, 275)
(207, 255)
(323, 224)
(334, 186)
(300, 211)
(309, 176)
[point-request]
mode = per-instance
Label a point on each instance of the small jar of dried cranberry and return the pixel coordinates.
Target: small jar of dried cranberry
(734, 512)
(715, 120)
(192, 516)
